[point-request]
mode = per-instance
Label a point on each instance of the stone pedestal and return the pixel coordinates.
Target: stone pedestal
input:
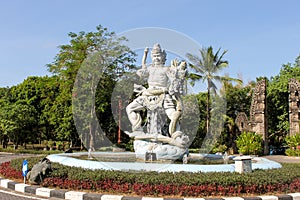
(144, 149)
(243, 164)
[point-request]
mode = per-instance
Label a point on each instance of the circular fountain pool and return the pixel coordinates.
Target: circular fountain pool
(73, 159)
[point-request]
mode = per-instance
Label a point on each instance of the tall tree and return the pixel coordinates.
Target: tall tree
(207, 68)
(238, 99)
(83, 65)
(278, 105)
(17, 121)
(40, 93)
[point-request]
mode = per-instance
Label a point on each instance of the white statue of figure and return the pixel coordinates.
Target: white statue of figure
(162, 97)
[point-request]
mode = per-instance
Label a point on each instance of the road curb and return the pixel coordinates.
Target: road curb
(75, 195)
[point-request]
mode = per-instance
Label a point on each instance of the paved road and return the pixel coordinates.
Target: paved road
(8, 195)
(283, 159)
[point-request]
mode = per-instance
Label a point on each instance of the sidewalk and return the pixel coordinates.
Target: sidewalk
(5, 157)
(283, 158)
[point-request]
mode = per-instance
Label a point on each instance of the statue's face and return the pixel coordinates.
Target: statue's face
(157, 58)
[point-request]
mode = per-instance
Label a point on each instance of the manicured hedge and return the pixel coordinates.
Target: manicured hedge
(284, 180)
(30, 151)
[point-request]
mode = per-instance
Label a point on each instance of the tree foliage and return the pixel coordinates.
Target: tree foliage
(278, 102)
(46, 102)
(92, 62)
(238, 99)
(207, 68)
(96, 63)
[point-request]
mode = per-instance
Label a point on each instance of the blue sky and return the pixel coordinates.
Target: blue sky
(260, 35)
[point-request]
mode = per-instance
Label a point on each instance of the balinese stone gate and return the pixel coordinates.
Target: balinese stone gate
(294, 88)
(258, 115)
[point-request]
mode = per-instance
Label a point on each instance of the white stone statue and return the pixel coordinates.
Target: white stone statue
(162, 98)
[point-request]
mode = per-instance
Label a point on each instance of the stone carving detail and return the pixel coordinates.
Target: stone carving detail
(258, 107)
(162, 101)
(294, 103)
(242, 122)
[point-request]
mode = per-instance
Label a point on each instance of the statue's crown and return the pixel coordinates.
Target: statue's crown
(156, 49)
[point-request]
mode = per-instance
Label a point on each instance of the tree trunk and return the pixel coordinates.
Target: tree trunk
(208, 107)
(92, 141)
(93, 114)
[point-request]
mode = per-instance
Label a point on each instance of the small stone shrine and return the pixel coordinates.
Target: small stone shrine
(242, 122)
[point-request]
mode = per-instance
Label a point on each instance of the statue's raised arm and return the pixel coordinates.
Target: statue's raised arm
(143, 72)
(144, 65)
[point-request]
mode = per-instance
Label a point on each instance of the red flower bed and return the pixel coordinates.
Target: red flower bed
(116, 186)
(8, 172)
(165, 190)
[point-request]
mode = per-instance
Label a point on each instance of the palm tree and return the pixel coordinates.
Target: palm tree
(207, 67)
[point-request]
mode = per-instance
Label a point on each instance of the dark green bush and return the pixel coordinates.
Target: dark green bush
(293, 142)
(285, 179)
(30, 151)
(283, 175)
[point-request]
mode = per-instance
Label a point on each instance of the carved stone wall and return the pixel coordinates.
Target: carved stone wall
(294, 88)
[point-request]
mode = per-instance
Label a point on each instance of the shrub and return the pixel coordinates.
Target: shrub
(219, 148)
(249, 143)
(66, 145)
(29, 151)
(290, 152)
(284, 180)
(50, 144)
(59, 145)
(293, 142)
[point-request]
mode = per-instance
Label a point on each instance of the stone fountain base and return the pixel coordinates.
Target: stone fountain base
(160, 150)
